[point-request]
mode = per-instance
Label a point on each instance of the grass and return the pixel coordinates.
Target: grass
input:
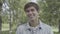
(56, 33)
(7, 32)
(5, 27)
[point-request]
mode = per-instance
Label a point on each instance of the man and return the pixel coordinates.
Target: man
(34, 25)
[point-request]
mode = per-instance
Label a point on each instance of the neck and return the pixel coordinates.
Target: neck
(34, 23)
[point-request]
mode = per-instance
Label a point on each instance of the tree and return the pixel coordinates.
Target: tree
(16, 14)
(50, 12)
(0, 16)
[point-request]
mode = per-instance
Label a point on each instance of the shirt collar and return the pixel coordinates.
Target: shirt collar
(39, 26)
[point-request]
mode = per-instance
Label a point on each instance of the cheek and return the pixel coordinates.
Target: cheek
(35, 14)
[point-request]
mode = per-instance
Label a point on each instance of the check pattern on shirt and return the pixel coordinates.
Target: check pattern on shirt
(40, 29)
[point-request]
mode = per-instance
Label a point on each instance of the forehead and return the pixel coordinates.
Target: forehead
(30, 8)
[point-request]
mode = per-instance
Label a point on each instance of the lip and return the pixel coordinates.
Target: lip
(31, 17)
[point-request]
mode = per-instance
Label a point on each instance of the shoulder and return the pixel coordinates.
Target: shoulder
(21, 27)
(46, 27)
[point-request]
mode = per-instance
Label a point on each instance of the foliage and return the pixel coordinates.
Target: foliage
(49, 11)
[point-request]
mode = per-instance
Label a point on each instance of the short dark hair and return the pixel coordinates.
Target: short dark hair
(31, 4)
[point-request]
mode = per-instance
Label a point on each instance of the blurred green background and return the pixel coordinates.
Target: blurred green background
(12, 14)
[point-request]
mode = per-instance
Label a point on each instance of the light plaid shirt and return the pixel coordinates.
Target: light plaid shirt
(40, 29)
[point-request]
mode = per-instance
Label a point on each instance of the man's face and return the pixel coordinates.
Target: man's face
(31, 13)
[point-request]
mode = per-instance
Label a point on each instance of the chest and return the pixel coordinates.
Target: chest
(35, 32)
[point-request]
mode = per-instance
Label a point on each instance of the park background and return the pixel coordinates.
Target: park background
(12, 14)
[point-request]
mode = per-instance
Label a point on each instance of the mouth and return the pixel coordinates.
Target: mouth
(31, 17)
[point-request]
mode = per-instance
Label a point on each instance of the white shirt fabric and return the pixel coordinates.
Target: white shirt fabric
(40, 29)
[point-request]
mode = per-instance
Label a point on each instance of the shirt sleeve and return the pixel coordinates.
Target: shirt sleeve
(50, 31)
(18, 31)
